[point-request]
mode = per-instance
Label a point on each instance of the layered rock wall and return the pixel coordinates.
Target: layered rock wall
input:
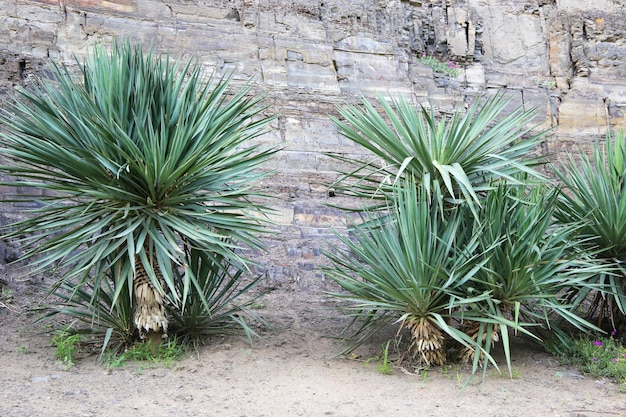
(565, 57)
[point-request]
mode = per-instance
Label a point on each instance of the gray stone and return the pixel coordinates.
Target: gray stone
(566, 58)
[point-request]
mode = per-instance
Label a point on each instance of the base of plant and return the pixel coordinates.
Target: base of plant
(473, 330)
(428, 342)
(154, 339)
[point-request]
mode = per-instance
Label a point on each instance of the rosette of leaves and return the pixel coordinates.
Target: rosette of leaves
(98, 319)
(409, 267)
(532, 269)
(222, 307)
(456, 158)
(140, 158)
(594, 196)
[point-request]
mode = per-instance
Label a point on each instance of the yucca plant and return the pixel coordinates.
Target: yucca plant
(456, 157)
(409, 267)
(221, 307)
(140, 158)
(532, 268)
(594, 196)
(97, 317)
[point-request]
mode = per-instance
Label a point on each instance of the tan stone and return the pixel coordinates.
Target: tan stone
(582, 115)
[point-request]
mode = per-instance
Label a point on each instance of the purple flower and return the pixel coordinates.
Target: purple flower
(613, 333)
(595, 359)
(614, 359)
(598, 343)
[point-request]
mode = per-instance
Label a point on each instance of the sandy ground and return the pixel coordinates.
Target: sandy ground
(289, 372)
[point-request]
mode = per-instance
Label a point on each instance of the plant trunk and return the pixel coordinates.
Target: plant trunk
(428, 341)
(619, 319)
(472, 329)
(150, 315)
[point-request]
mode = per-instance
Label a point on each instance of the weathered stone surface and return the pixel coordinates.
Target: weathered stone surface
(567, 58)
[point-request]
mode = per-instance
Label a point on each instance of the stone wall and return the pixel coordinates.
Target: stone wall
(566, 57)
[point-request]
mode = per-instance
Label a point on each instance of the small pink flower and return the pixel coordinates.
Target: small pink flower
(598, 343)
(614, 359)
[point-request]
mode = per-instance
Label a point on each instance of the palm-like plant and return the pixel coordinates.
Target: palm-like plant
(594, 197)
(105, 321)
(531, 269)
(220, 307)
(139, 159)
(408, 267)
(459, 156)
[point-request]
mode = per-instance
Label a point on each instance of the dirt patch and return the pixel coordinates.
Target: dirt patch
(289, 372)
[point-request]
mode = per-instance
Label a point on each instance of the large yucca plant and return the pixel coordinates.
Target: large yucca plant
(139, 158)
(409, 267)
(594, 196)
(458, 156)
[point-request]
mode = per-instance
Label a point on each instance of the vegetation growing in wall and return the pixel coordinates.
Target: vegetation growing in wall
(439, 65)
